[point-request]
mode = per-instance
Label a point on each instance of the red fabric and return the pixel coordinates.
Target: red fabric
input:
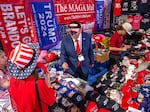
(134, 94)
(130, 19)
(125, 89)
(23, 24)
(21, 55)
(77, 47)
(91, 107)
(147, 57)
(51, 57)
(136, 22)
(103, 110)
(116, 41)
(126, 99)
(134, 104)
(42, 66)
(77, 50)
(98, 38)
(134, 62)
(117, 7)
(139, 80)
(129, 83)
(140, 76)
(23, 95)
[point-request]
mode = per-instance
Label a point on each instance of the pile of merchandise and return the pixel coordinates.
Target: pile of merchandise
(126, 86)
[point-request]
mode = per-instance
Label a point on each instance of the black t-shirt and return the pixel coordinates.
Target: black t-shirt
(145, 22)
(125, 6)
(149, 6)
(143, 6)
(134, 6)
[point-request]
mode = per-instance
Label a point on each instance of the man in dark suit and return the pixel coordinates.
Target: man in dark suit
(77, 52)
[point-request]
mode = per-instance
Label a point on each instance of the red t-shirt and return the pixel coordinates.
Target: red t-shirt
(117, 7)
(116, 41)
(130, 19)
(136, 22)
(23, 95)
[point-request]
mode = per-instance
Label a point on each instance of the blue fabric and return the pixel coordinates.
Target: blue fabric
(93, 77)
(145, 104)
(123, 54)
(98, 70)
(105, 64)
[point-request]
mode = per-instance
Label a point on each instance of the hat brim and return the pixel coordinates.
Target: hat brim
(128, 32)
(27, 71)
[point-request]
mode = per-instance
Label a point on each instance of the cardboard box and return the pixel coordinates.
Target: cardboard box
(101, 55)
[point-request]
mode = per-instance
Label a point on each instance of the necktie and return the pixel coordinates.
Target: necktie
(77, 50)
(77, 47)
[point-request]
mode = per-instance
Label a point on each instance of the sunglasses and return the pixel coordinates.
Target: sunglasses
(73, 33)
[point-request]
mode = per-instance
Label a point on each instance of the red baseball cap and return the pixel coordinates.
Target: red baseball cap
(92, 107)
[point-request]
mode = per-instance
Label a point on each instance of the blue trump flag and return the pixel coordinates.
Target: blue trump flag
(45, 23)
(99, 8)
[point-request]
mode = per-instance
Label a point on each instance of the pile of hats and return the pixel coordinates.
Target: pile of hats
(55, 64)
(103, 102)
(102, 85)
(140, 49)
(93, 107)
(116, 81)
(46, 57)
(134, 92)
(112, 79)
(114, 94)
(68, 90)
(51, 59)
(117, 73)
(140, 76)
(129, 95)
(147, 56)
(66, 97)
(97, 38)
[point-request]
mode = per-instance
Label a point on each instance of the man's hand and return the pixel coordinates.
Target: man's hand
(65, 66)
(124, 48)
(128, 46)
(92, 65)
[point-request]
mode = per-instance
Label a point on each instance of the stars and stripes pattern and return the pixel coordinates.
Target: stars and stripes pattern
(22, 55)
(23, 60)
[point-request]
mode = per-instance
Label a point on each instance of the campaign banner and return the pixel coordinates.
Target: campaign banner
(15, 25)
(99, 12)
(82, 11)
(45, 23)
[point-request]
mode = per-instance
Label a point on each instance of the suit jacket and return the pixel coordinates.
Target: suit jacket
(68, 53)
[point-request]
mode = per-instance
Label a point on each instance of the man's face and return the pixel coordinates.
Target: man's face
(75, 34)
(124, 32)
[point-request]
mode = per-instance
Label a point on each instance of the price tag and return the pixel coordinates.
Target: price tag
(80, 57)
